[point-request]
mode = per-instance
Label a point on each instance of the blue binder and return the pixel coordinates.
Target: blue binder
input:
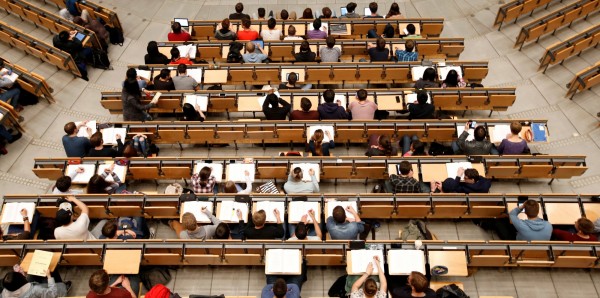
(539, 132)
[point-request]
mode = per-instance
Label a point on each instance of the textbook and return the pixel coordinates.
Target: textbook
(196, 74)
(12, 76)
(200, 100)
(109, 135)
(269, 207)
(283, 261)
(405, 261)
(11, 212)
(188, 50)
(452, 168)
(333, 204)
(40, 262)
(236, 172)
(82, 178)
(228, 211)
(297, 209)
(324, 128)
(121, 171)
(359, 259)
(83, 129)
(539, 132)
(305, 167)
(217, 169)
(195, 207)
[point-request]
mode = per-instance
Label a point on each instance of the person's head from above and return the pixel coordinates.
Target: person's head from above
(385, 143)
(370, 288)
(271, 23)
(132, 87)
(273, 100)
(181, 69)
(189, 222)
(380, 44)
(152, 48)
(531, 207)
(394, 10)
(292, 31)
(317, 24)
(259, 218)
(411, 29)
(239, 7)
(99, 282)
(64, 36)
(261, 12)
(330, 41)
(79, 21)
(418, 282)
(176, 27)
(225, 24)
(13, 281)
(284, 14)
(479, 133)
(326, 12)
(405, 168)
(329, 96)
(230, 187)
(584, 226)
(64, 214)
(418, 148)
(246, 23)
(307, 14)
(109, 230)
(63, 183)
(129, 151)
(305, 104)
(297, 174)
(471, 176)
(175, 53)
(422, 97)
(97, 185)
(189, 112)
(1, 63)
(204, 175)
(165, 73)
(292, 78)
(350, 7)
(451, 78)
(96, 139)
(430, 74)
(373, 7)
(222, 231)
(409, 46)
(515, 127)
(71, 129)
(339, 214)
(250, 47)
(318, 136)
(301, 231)
(361, 94)
(305, 47)
(131, 73)
(279, 288)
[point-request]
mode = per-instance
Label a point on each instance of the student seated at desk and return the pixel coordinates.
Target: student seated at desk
(153, 56)
(224, 33)
(316, 32)
(307, 14)
(271, 33)
(295, 184)
(281, 289)
(99, 150)
(204, 182)
(379, 51)
(373, 9)
(453, 80)
(231, 187)
(429, 79)
(192, 113)
(405, 182)
(421, 109)
(473, 183)
(178, 34)
(418, 286)
(292, 35)
(408, 54)
(131, 96)
(394, 12)
(67, 229)
(246, 33)
(381, 146)
(238, 15)
(301, 231)
(10, 91)
(67, 42)
(76, 146)
(330, 110)
(286, 15)
(341, 228)
(63, 184)
(99, 185)
(513, 144)
(413, 146)
(305, 113)
(330, 53)
(370, 290)
(163, 81)
(291, 82)
(533, 228)
(363, 109)
(100, 286)
(124, 228)
(95, 26)
(26, 234)
(412, 32)
(183, 81)
(16, 285)
(584, 228)
(253, 56)
(478, 146)
(177, 59)
(306, 54)
(257, 229)
(350, 7)
(316, 145)
(189, 229)
(275, 108)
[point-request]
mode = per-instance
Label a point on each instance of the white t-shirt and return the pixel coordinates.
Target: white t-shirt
(293, 38)
(271, 34)
(76, 230)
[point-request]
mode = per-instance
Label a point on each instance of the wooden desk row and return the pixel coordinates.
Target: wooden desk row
(54, 23)
(31, 81)
(584, 80)
(431, 48)
(514, 9)
(560, 51)
(37, 48)
(96, 11)
(427, 168)
(219, 101)
(555, 20)
(354, 28)
(9, 117)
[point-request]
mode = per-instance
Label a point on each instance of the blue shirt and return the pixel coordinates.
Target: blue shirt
(345, 231)
(406, 56)
(293, 291)
(76, 146)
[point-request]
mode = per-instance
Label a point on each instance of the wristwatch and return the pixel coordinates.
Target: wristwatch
(25, 218)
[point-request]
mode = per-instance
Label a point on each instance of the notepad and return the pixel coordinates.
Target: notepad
(471, 131)
(83, 129)
(82, 178)
(452, 168)
(121, 171)
(499, 132)
(228, 211)
(361, 259)
(269, 207)
(443, 71)
(109, 135)
(195, 208)
(11, 212)
(405, 261)
(333, 204)
(200, 100)
(40, 262)
(324, 128)
(236, 172)
(12, 76)
(412, 98)
(188, 50)
(196, 74)
(305, 167)
(297, 209)
(217, 169)
(417, 72)
(539, 132)
(283, 261)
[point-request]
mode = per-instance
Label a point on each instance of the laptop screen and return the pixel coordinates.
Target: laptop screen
(259, 43)
(182, 21)
(343, 10)
(80, 36)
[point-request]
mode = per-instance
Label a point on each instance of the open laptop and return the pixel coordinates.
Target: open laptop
(259, 43)
(183, 22)
(343, 11)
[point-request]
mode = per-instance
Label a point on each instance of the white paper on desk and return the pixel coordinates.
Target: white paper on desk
(297, 209)
(121, 171)
(452, 168)
(443, 71)
(333, 204)
(83, 178)
(324, 128)
(405, 261)
(144, 73)
(269, 207)
(461, 128)
(305, 168)
(200, 100)
(417, 72)
(12, 77)
(229, 211)
(499, 132)
(236, 172)
(196, 74)
(195, 208)
(83, 129)
(282, 261)
(188, 50)
(361, 259)
(217, 169)
(261, 100)
(40, 262)
(324, 27)
(412, 98)
(341, 100)
(109, 135)
(11, 212)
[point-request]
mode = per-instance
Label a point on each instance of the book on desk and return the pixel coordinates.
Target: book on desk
(359, 259)
(297, 209)
(195, 208)
(269, 208)
(109, 135)
(11, 212)
(283, 261)
(405, 261)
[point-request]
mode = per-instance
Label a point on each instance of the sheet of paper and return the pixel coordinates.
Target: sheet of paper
(12, 77)
(461, 128)
(443, 71)
(417, 72)
(405, 261)
(324, 27)
(109, 135)
(269, 207)
(195, 208)
(297, 209)
(11, 212)
(333, 204)
(228, 211)
(361, 259)
(452, 168)
(341, 100)
(499, 132)
(236, 172)
(282, 261)
(412, 98)
(305, 167)
(200, 100)
(156, 96)
(195, 73)
(82, 178)
(217, 169)
(324, 128)
(144, 73)
(83, 129)
(121, 171)
(40, 263)
(187, 51)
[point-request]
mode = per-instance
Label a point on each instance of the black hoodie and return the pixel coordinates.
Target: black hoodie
(331, 110)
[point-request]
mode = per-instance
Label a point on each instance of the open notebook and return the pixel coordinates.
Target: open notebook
(236, 172)
(361, 258)
(12, 76)
(188, 50)
(333, 204)
(283, 261)
(200, 100)
(195, 208)
(452, 168)
(499, 132)
(298, 209)
(228, 211)
(82, 178)
(305, 167)
(109, 135)
(83, 129)
(405, 261)
(11, 212)
(269, 207)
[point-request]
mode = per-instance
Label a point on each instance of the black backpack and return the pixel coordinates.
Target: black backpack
(235, 52)
(451, 291)
(115, 35)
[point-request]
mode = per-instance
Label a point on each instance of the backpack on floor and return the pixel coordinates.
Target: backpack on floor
(451, 291)
(155, 275)
(100, 59)
(338, 289)
(416, 230)
(115, 35)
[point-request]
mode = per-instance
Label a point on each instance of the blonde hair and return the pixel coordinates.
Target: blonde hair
(230, 187)
(259, 217)
(189, 222)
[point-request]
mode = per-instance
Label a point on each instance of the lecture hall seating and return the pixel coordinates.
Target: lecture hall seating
(514, 9)
(96, 11)
(584, 80)
(31, 81)
(575, 45)
(9, 117)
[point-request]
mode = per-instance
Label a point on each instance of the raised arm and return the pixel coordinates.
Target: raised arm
(353, 212)
(84, 208)
(313, 180)
(316, 225)
(26, 224)
(382, 280)
(359, 282)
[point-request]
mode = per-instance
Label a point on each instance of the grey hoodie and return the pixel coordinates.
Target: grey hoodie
(37, 290)
(537, 229)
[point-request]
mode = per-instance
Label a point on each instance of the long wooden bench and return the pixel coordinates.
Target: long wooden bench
(31, 81)
(355, 28)
(37, 48)
(514, 9)
(575, 45)
(584, 80)
(556, 20)
(352, 49)
(9, 117)
(96, 11)
(451, 99)
(46, 19)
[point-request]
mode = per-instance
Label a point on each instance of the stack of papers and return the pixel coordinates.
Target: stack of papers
(297, 209)
(405, 261)
(82, 178)
(196, 209)
(269, 207)
(283, 261)
(361, 259)
(333, 204)
(452, 168)
(236, 172)
(324, 128)
(229, 209)
(83, 129)
(217, 169)
(200, 100)
(109, 135)
(305, 167)
(11, 212)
